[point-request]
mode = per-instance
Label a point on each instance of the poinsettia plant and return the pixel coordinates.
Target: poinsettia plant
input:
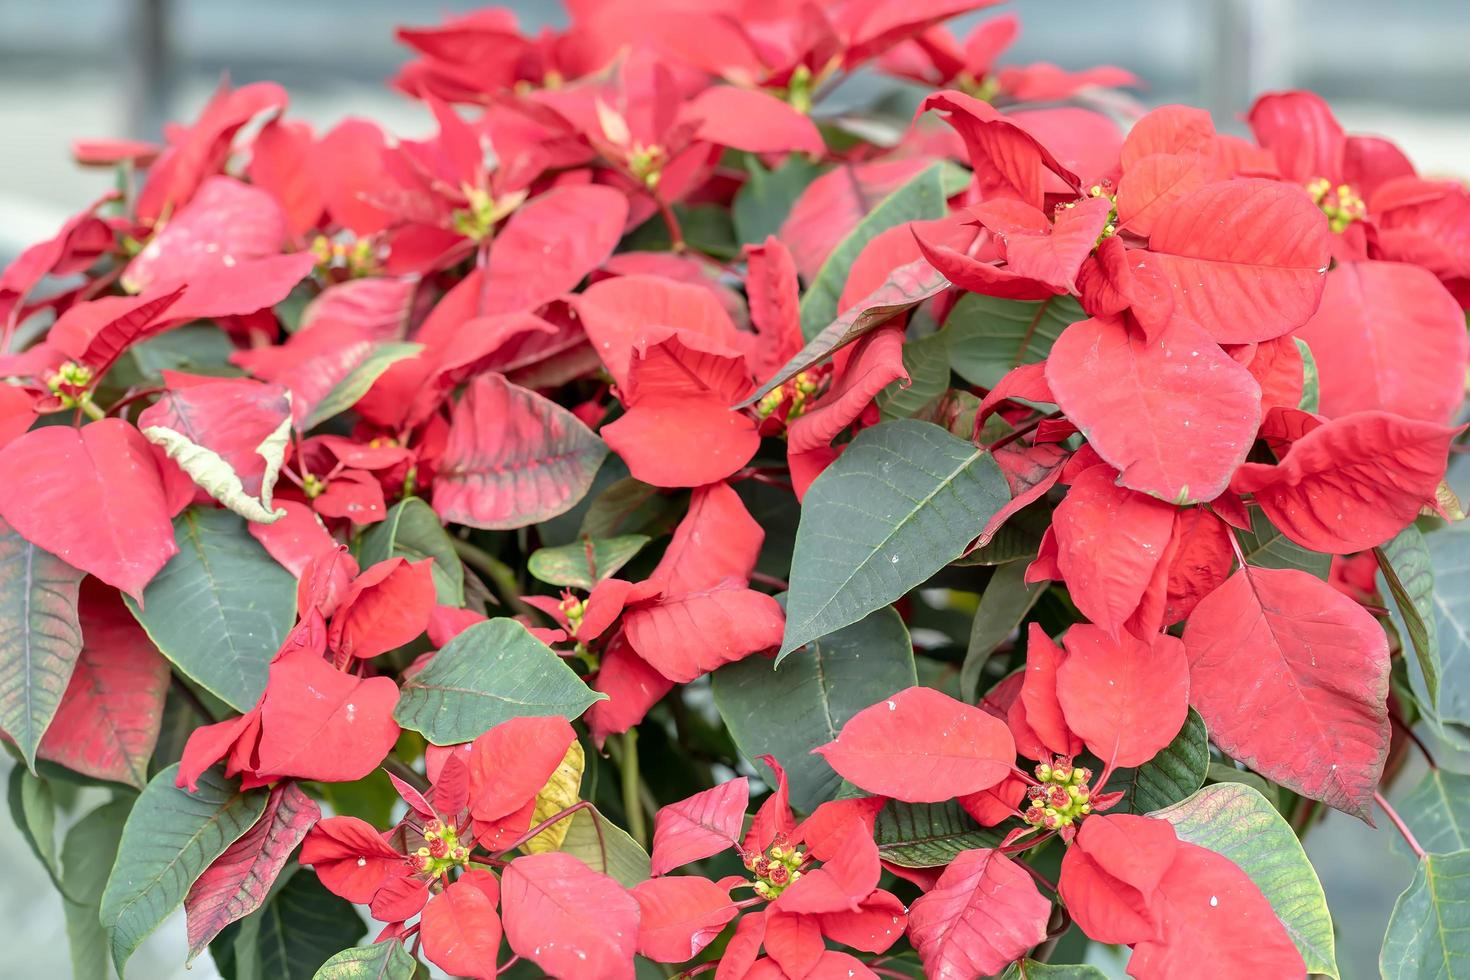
(660, 523)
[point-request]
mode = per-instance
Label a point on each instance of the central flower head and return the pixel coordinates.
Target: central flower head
(1341, 204)
(441, 852)
(776, 869)
(1062, 797)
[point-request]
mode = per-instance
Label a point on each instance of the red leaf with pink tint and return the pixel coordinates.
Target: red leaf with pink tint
(1352, 483)
(460, 927)
(1111, 874)
(1200, 561)
(513, 458)
(873, 927)
(1174, 414)
(863, 370)
(568, 919)
(1153, 183)
(512, 761)
(1043, 711)
(834, 204)
(1280, 370)
(1109, 540)
(923, 747)
(1049, 253)
(678, 430)
(1302, 134)
(107, 516)
(1126, 699)
(1246, 258)
(549, 245)
(319, 723)
(848, 874)
(1169, 129)
(1290, 677)
(107, 723)
(1008, 161)
(237, 882)
(378, 307)
(242, 289)
(280, 162)
(1213, 913)
(631, 313)
(983, 914)
(793, 942)
(351, 858)
(1388, 336)
(773, 290)
(685, 635)
(751, 120)
(96, 333)
(704, 824)
(388, 605)
(295, 539)
(226, 224)
(679, 917)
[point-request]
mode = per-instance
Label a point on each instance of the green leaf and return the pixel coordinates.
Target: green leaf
(1437, 810)
(1406, 577)
(349, 390)
(40, 638)
(765, 200)
(928, 835)
(1234, 820)
(1004, 603)
(412, 530)
(1426, 933)
(380, 961)
(626, 862)
(790, 709)
(988, 337)
(1449, 555)
(1221, 772)
(86, 858)
(586, 562)
(1175, 772)
(220, 608)
(295, 932)
(34, 811)
(921, 199)
(490, 673)
(927, 362)
(1019, 537)
(1032, 970)
(1311, 385)
(898, 505)
(171, 836)
(1266, 547)
(195, 349)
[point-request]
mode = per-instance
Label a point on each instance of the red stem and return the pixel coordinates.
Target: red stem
(555, 818)
(1409, 732)
(1398, 822)
(671, 221)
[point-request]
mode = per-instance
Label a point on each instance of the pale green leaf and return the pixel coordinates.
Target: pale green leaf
(1437, 810)
(86, 858)
(295, 932)
(1266, 547)
(1449, 555)
(40, 638)
(899, 504)
(412, 530)
(1234, 820)
(216, 477)
(928, 835)
(606, 848)
(789, 709)
(1406, 579)
(766, 197)
(492, 672)
(345, 393)
(1311, 384)
(1032, 970)
(988, 336)
(171, 837)
(1004, 603)
(1176, 771)
(381, 961)
(1429, 932)
(926, 362)
(220, 608)
(584, 563)
(920, 199)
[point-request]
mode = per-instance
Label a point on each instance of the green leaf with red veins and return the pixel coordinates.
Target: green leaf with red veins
(40, 638)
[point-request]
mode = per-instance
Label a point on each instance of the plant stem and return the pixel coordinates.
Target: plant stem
(1011, 437)
(632, 801)
(187, 693)
(1413, 737)
(1398, 822)
(671, 221)
(497, 571)
(550, 821)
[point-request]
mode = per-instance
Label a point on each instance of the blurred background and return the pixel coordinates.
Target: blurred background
(115, 68)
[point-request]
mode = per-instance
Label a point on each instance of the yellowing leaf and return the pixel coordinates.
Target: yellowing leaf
(218, 478)
(562, 790)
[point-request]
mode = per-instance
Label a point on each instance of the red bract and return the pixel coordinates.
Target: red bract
(656, 437)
